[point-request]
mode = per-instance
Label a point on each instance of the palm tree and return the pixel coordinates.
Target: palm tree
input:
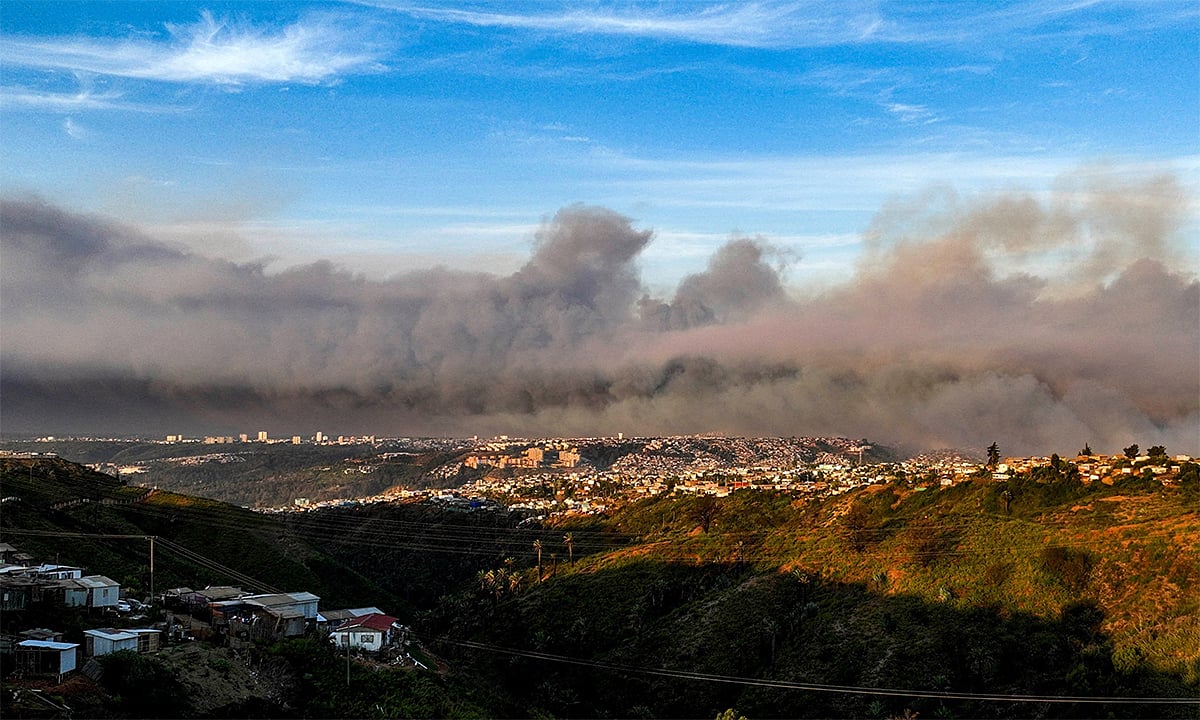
(569, 539)
(993, 455)
(537, 548)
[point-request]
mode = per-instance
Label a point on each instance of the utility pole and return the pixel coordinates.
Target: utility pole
(152, 570)
(346, 639)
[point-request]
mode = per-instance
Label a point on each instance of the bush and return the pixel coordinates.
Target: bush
(146, 686)
(1072, 567)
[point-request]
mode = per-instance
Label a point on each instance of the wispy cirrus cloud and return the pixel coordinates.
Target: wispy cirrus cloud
(15, 96)
(794, 24)
(762, 24)
(212, 50)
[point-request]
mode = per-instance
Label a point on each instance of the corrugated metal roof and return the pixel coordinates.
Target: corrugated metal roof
(110, 634)
(96, 581)
(47, 645)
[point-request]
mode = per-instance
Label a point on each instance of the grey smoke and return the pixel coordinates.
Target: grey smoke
(737, 282)
(939, 340)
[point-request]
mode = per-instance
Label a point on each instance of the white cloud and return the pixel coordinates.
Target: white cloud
(211, 51)
(792, 24)
(21, 97)
(74, 129)
(909, 113)
(761, 24)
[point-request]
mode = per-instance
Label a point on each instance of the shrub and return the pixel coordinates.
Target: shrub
(1070, 566)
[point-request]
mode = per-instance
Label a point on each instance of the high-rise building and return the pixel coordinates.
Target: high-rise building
(262, 435)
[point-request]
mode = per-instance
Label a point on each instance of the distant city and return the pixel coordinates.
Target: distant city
(565, 476)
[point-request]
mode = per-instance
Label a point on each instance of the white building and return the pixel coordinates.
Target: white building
(46, 656)
(102, 592)
(369, 632)
(108, 640)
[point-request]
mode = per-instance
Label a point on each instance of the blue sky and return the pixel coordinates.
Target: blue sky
(388, 136)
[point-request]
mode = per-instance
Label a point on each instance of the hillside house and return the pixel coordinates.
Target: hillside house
(304, 603)
(102, 592)
(15, 592)
(104, 641)
(329, 619)
(148, 639)
(70, 593)
(209, 595)
(55, 572)
(268, 616)
(370, 632)
(46, 657)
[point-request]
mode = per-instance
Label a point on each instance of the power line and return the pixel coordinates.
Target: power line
(818, 687)
(184, 552)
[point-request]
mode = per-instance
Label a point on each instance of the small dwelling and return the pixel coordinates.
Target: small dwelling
(102, 592)
(46, 657)
(370, 632)
(329, 619)
(148, 639)
(108, 640)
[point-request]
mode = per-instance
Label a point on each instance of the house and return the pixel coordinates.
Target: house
(55, 572)
(370, 632)
(267, 616)
(148, 639)
(210, 594)
(102, 592)
(37, 657)
(108, 640)
(15, 592)
(71, 593)
(304, 603)
(329, 619)
(41, 634)
(7, 552)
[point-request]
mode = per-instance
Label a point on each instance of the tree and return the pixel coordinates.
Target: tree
(569, 541)
(1087, 450)
(993, 455)
(704, 511)
(857, 521)
(1132, 451)
(537, 547)
(1157, 451)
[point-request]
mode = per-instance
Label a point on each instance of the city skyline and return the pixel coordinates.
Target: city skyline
(937, 226)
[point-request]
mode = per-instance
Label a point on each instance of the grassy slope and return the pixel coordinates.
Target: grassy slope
(1074, 590)
(938, 589)
(253, 544)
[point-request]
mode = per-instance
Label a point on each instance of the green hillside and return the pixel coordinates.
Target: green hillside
(1074, 591)
(891, 599)
(252, 544)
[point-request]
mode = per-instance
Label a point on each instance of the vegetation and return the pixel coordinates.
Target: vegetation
(1039, 584)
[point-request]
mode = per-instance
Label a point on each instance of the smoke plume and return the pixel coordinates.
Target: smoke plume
(1040, 324)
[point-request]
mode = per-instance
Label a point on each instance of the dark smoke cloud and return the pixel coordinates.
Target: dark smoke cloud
(939, 340)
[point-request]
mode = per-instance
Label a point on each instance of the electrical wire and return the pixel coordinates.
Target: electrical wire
(817, 687)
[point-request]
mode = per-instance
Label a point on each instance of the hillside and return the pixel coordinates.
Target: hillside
(921, 599)
(250, 543)
(257, 474)
(1023, 587)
